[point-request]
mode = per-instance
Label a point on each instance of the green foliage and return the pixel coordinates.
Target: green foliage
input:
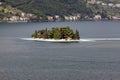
(66, 32)
(50, 7)
(76, 35)
(35, 35)
(44, 8)
(49, 34)
(57, 33)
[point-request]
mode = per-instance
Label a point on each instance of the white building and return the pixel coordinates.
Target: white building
(14, 18)
(50, 18)
(23, 14)
(104, 4)
(91, 1)
(98, 2)
(66, 17)
(97, 17)
(72, 18)
(0, 3)
(116, 17)
(57, 17)
(117, 5)
(110, 4)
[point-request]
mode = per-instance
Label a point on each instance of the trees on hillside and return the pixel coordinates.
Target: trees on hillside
(43, 8)
(57, 33)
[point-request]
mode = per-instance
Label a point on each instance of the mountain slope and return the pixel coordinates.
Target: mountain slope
(6, 11)
(50, 7)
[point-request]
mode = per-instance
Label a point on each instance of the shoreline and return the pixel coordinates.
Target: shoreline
(64, 40)
(50, 40)
(55, 21)
(58, 40)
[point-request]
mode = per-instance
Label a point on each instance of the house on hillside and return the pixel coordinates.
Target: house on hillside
(110, 4)
(14, 18)
(103, 4)
(23, 14)
(73, 17)
(117, 17)
(57, 17)
(97, 17)
(50, 18)
(117, 5)
(98, 2)
(91, 1)
(0, 3)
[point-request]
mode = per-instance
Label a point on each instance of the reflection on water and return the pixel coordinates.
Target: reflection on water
(35, 60)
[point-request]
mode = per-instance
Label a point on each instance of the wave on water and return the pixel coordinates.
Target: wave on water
(81, 40)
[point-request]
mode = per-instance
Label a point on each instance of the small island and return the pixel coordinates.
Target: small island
(62, 34)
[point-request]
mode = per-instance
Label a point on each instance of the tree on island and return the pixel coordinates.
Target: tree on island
(35, 35)
(66, 32)
(57, 33)
(76, 35)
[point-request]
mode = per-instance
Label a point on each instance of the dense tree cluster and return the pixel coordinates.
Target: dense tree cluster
(57, 33)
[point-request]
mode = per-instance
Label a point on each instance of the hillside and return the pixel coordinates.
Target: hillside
(8, 11)
(51, 10)
(107, 8)
(51, 7)
(11, 14)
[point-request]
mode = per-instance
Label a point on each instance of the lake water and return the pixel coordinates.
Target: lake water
(35, 60)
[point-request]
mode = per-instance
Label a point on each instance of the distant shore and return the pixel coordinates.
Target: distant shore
(56, 21)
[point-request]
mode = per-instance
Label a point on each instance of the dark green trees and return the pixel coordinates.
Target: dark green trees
(76, 35)
(35, 35)
(66, 32)
(57, 33)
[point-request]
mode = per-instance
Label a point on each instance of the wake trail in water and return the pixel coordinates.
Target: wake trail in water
(81, 40)
(104, 39)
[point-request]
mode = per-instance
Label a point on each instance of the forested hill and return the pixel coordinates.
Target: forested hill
(51, 7)
(68, 9)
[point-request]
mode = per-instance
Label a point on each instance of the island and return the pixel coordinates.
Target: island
(57, 34)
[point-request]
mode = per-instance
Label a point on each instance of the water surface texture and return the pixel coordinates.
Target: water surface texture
(35, 60)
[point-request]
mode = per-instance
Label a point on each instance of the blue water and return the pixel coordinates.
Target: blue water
(35, 60)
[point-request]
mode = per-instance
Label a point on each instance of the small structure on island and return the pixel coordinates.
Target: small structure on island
(69, 38)
(57, 34)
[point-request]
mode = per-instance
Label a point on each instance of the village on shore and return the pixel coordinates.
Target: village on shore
(29, 17)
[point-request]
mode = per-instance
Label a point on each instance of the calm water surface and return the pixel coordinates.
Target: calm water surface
(34, 60)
